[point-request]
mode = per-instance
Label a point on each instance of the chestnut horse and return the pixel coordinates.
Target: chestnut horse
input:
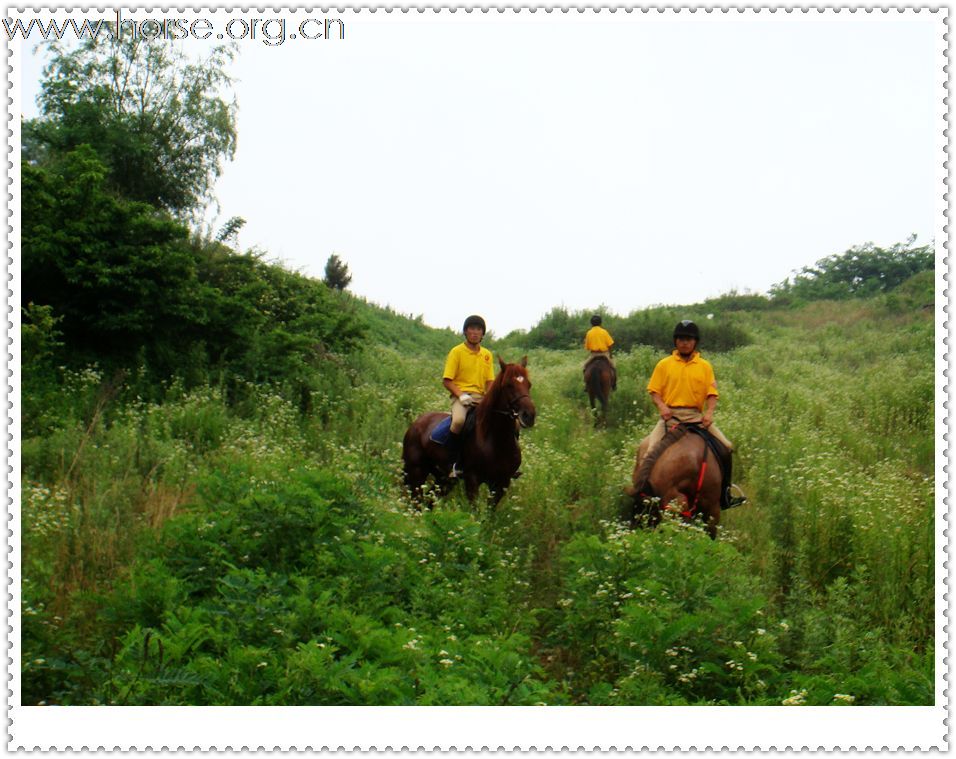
(681, 470)
(597, 381)
(490, 454)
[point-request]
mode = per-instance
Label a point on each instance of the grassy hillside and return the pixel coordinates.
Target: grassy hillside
(406, 333)
(208, 551)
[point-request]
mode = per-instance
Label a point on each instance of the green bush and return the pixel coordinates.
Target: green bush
(563, 330)
(862, 271)
(664, 617)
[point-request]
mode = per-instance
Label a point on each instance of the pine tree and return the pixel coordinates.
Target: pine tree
(337, 273)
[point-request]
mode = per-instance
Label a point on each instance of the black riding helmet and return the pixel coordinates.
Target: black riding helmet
(474, 321)
(687, 328)
(596, 320)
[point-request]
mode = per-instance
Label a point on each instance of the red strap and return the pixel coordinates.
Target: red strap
(700, 483)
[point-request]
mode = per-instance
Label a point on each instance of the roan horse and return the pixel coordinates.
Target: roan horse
(489, 455)
(597, 381)
(682, 469)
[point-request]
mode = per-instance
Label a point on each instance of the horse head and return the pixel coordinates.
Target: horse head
(515, 391)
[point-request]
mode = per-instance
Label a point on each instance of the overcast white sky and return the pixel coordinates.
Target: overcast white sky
(507, 163)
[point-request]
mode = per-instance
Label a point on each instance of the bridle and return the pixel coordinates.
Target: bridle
(513, 410)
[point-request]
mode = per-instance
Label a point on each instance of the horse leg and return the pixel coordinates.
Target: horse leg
(413, 468)
(414, 480)
(497, 492)
(471, 487)
(644, 513)
(641, 452)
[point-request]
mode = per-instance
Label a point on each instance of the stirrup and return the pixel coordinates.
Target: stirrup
(735, 500)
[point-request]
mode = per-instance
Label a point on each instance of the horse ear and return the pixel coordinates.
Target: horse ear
(524, 361)
(502, 362)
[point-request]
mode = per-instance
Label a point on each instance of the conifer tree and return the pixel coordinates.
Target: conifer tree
(337, 273)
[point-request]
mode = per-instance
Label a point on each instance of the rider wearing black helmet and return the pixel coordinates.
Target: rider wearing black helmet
(469, 372)
(683, 388)
(598, 342)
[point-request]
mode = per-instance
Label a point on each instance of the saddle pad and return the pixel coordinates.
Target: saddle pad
(440, 433)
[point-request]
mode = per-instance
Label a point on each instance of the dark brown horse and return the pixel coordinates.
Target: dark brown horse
(683, 472)
(597, 381)
(490, 454)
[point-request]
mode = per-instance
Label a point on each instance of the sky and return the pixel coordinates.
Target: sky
(504, 164)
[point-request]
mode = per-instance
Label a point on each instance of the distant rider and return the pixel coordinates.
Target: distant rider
(598, 342)
(684, 389)
(469, 372)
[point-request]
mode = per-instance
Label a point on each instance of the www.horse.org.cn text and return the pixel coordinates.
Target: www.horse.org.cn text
(271, 31)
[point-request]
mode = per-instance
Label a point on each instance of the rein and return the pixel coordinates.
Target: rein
(692, 508)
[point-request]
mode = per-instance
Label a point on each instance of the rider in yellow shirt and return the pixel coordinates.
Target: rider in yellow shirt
(598, 342)
(469, 372)
(683, 388)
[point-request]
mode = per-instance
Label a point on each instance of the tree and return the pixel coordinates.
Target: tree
(337, 273)
(118, 273)
(230, 230)
(157, 120)
(125, 285)
(860, 272)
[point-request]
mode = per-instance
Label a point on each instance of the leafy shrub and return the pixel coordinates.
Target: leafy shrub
(663, 617)
(561, 330)
(294, 593)
(128, 289)
(862, 271)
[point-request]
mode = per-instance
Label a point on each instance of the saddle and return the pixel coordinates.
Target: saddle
(594, 360)
(443, 428)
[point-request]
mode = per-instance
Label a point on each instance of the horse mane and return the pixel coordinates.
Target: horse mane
(670, 437)
(490, 401)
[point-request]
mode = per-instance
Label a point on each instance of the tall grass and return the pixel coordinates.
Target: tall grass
(145, 522)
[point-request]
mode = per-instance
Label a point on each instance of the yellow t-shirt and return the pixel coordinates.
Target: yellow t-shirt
(469, 370)
(598, 339)
(683, 383)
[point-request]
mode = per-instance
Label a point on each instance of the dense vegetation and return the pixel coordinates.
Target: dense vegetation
(211, 509)
(131, 138)
(863, 271)
(202, 550)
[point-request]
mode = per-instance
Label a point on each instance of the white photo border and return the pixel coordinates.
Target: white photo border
(459, 728)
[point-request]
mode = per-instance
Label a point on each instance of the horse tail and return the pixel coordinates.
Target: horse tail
(594, 378)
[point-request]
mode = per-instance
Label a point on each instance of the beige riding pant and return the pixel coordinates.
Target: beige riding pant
(459, 412)
(681, 414)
